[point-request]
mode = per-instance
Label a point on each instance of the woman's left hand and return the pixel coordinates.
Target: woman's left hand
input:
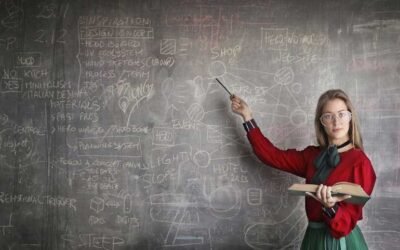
(324, 196)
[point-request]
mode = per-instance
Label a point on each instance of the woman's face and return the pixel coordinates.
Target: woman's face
(336, 121)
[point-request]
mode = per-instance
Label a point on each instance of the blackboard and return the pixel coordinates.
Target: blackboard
(115, 135)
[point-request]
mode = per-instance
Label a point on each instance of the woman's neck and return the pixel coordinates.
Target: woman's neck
(346, 148)
(342, 144)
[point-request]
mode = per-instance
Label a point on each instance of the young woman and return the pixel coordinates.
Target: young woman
(339, 157)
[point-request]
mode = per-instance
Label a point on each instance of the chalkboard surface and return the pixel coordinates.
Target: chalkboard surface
(115, 135)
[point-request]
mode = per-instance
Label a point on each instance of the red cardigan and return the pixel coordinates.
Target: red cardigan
(354, 167)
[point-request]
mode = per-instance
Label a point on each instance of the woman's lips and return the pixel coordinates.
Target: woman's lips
(336, 130)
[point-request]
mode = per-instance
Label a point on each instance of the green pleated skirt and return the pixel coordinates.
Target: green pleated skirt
(317, 237)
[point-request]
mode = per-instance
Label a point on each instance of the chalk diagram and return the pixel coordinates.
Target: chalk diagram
(21, 147)
(285, 114)
(9, 146)
(15, 15)
(182, 216)
(282, 105)
(7, 226)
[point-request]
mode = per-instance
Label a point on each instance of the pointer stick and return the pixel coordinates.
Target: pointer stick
(224, 87)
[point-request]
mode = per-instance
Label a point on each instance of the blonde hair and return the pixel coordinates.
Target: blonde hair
(354, 130)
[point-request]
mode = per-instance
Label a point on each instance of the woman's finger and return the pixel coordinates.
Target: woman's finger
(235, 101)
(329, 191)
(330, 198)
(324, 193)
(235, 98)
(236, 106)
(319, 192)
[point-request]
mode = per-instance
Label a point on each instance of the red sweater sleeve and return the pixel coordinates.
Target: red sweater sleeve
(290, 160)
(348, 214)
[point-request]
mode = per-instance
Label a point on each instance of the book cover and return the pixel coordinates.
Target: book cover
(358, 195)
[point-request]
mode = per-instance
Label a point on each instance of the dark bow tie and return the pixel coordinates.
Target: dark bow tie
(326, 161)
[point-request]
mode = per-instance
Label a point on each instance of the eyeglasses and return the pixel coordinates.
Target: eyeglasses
(342, 116)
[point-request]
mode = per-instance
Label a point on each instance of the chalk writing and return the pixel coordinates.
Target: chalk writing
(92, 241)
(111, 146)
(6, 198)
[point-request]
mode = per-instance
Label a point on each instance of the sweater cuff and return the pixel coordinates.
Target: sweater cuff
(249, 125)
(330, 212)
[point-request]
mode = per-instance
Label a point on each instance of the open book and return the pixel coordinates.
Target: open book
(358, 195)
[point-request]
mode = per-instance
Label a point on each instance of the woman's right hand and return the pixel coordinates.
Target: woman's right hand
(240, 107)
